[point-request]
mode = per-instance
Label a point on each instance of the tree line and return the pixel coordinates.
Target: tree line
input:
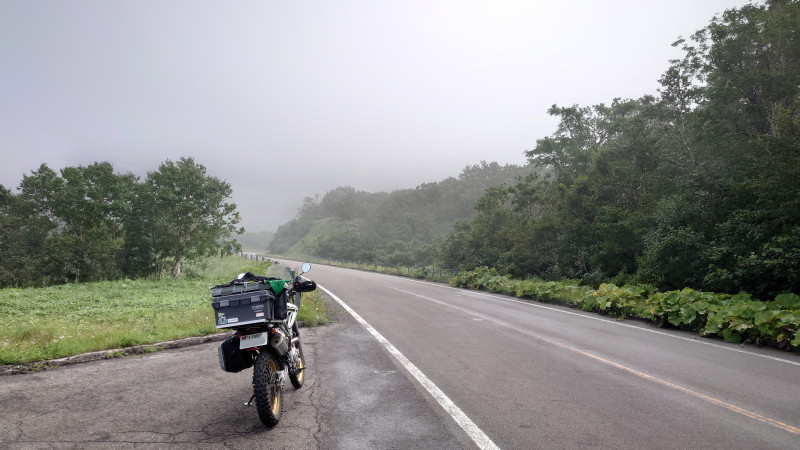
(697, 186)
(88, 223)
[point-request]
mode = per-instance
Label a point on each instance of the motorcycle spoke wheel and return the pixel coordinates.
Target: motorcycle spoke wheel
(268, 394)
(297, 376)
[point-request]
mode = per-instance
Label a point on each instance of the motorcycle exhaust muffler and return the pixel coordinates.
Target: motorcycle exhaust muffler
(279, 342)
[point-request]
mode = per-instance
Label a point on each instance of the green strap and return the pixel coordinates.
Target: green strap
(278, 285)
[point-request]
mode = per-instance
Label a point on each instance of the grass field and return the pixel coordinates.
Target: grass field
(58, 321)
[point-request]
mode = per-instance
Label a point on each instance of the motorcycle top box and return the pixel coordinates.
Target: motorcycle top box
(217, 291)
(235, 310)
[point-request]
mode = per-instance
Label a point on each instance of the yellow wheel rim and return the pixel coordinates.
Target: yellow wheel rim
(300, 366)
(275, 403)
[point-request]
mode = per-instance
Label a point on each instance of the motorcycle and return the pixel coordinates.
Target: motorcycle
(262, 311)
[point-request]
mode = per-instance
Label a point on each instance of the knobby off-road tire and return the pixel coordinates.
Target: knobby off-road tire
(268, 395)
(298, 376)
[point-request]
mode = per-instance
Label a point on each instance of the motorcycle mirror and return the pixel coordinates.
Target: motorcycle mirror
(305, 268)
(241, 275)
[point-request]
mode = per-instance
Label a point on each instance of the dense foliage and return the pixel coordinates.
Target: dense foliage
(404, 227)
(90, 224)
(695, 187)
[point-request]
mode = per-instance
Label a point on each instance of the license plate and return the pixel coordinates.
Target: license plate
(252, 340)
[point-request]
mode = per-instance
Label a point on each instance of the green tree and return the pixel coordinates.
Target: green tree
(580, 133)
(185, 215)
(86, 205)
(140, 253)
(22, 236)
(740, 158)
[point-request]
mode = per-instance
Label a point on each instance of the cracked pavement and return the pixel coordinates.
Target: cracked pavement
(355, 396)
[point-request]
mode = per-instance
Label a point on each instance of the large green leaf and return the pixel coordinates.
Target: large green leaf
(671, 301)
(700, 306)
(688, 314)
(730, 336)
(713, 324)
(788, 301)
(763, 317)
(787, 317)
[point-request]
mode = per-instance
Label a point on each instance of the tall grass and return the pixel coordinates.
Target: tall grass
(58, 321)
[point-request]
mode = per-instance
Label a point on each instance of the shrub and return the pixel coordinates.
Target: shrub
(740, 318)
(686, 309)
(619, 301)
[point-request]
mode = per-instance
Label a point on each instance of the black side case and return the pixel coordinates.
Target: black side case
(280, 309)
(231, 359)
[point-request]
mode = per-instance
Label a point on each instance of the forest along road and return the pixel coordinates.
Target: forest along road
(530, 375)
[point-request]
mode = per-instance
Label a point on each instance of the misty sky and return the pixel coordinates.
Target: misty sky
(290, 99)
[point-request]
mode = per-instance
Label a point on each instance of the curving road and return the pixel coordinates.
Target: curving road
(485, 371)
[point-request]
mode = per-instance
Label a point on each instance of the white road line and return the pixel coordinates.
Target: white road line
(472, 430)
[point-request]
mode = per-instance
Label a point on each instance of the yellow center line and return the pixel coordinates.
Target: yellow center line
(715, 401)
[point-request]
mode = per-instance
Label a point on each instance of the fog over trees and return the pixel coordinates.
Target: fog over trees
(695, 186)
(404, 227)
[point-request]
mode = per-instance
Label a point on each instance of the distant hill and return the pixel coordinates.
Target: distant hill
(403, 227)
(256, 242)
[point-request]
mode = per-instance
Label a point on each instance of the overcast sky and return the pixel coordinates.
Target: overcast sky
(290, 99)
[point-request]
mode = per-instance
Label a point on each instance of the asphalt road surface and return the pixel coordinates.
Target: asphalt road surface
(517, 375)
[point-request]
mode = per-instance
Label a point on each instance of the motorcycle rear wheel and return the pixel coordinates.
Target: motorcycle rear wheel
(297, 376)
(268, 392)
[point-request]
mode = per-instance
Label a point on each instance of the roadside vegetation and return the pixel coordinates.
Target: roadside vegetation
(69, 319)
(735, 318)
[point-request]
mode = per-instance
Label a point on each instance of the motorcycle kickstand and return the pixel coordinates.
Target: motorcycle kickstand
(250, 402)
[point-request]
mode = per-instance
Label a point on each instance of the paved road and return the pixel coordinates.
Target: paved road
(527, 375)
(536, 376)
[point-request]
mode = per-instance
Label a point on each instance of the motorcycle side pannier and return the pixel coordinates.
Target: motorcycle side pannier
(235, 310)
(280, 311)
(231, 358)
